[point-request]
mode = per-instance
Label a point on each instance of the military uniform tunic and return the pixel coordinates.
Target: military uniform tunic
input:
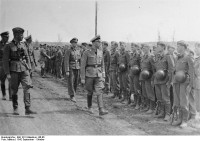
(197, 83)
(16, 63)
(72, 65)
(106, 55)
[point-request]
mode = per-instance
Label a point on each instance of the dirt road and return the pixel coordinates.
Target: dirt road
(59, 116)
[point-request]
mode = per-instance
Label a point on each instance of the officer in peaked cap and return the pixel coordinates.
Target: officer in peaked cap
(3, 42)
(28, 38)
(93, 74)
(72, 60)
(16, 64)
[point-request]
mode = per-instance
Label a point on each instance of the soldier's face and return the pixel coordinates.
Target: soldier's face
(19, 36)
(5, 38)
(97, 44)
(145, 49)
(74, 44)
(180, 49)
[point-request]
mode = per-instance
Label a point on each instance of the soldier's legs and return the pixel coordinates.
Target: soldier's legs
(150, 95)
(171, 98)
(143, 96)
(159, 106)
(15, 81)
(76, 78)
(98, 87)
(192, 107)
(24, 79)
(70, 79)
(131, 77)
(89, 86)
(166, 101)
(3, 79)
(126, 87)
(137, 89)
(121, 91)
(115, 83)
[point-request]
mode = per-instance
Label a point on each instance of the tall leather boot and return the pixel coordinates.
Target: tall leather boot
(137, 102)
(185, 116)
(167, 112)
(179, 118)
(161, 114)
(150, 111)
(3, 89)
(89, 104)
(28, 111)
(102, 111)
(146, 108)
(142, 103)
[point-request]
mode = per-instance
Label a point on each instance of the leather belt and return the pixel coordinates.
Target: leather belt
(95, 66)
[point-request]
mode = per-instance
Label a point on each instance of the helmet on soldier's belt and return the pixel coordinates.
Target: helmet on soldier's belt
(180, 76)
(135, 69)
(122, 67)
(160, 75)
(145, 74)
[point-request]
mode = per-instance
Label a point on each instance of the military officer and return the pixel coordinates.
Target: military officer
(134, 74)
(147, 70)
(183, 84)
(124, 59)
(3, 42)
(59, 60)
(114, 61)
(16, 66)
(31, 53)
(106, 55)
(72, 67)
(93, 74)
(164, 68)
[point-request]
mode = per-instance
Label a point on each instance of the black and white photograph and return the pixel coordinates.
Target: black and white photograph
(114, 68)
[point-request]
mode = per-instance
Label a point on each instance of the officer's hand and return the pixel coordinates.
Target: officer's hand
(67, 74)
(168, 85)
(8, 77)
(83, 81)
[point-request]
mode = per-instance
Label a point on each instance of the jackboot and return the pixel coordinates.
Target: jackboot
(28, 111)
(146, 107)
(157, 109)
(161, 113)
(150, 111)
(137, 102)
(185, 116)
(89, 104)
(167, 112)
(102, 111)
(3, 89)
(179, 118)
(142, 105)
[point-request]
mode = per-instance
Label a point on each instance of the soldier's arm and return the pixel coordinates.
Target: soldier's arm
(66, 60)
(44, 54)
(34, 56)
(6, 58)
(171, 65)
(191, 70)
(103, 66)
(83, 65)
(128, 58)
(27, 57)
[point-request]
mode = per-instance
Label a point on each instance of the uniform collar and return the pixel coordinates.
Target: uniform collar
(15, 42)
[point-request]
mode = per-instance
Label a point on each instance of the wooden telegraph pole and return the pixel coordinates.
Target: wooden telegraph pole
(96, 8)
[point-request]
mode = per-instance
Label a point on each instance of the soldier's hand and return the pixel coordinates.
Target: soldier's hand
(83, 81)
(67, 74)
(8, 77)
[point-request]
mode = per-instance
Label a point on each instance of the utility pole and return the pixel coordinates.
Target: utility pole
(27, 33)
(96, 8)
(159, 38)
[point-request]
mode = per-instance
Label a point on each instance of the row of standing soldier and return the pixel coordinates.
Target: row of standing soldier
(161, 82)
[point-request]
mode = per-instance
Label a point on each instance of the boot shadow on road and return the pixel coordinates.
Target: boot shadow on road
(15, 116)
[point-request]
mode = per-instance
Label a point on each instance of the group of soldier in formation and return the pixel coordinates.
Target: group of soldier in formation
(162, 80)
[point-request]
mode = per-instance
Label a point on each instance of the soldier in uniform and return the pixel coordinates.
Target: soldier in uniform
(17, 66)
(148, 95)
(106, 55)
(183, 84)
(43, 57)
(114, 60)
(59, 60)
(5, 37)
(124, 59)
(93, 74)
(164, 68)
(134, 74)
(197, 77)
(72, 67)
(31, 53)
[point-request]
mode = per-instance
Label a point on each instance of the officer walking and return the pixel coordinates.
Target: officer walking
(16, 66)
(3, 42)
(93, 74)
(31, 53)
(106, 55)
(72, 67)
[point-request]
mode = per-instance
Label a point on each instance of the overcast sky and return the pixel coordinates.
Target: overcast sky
(119, 20)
